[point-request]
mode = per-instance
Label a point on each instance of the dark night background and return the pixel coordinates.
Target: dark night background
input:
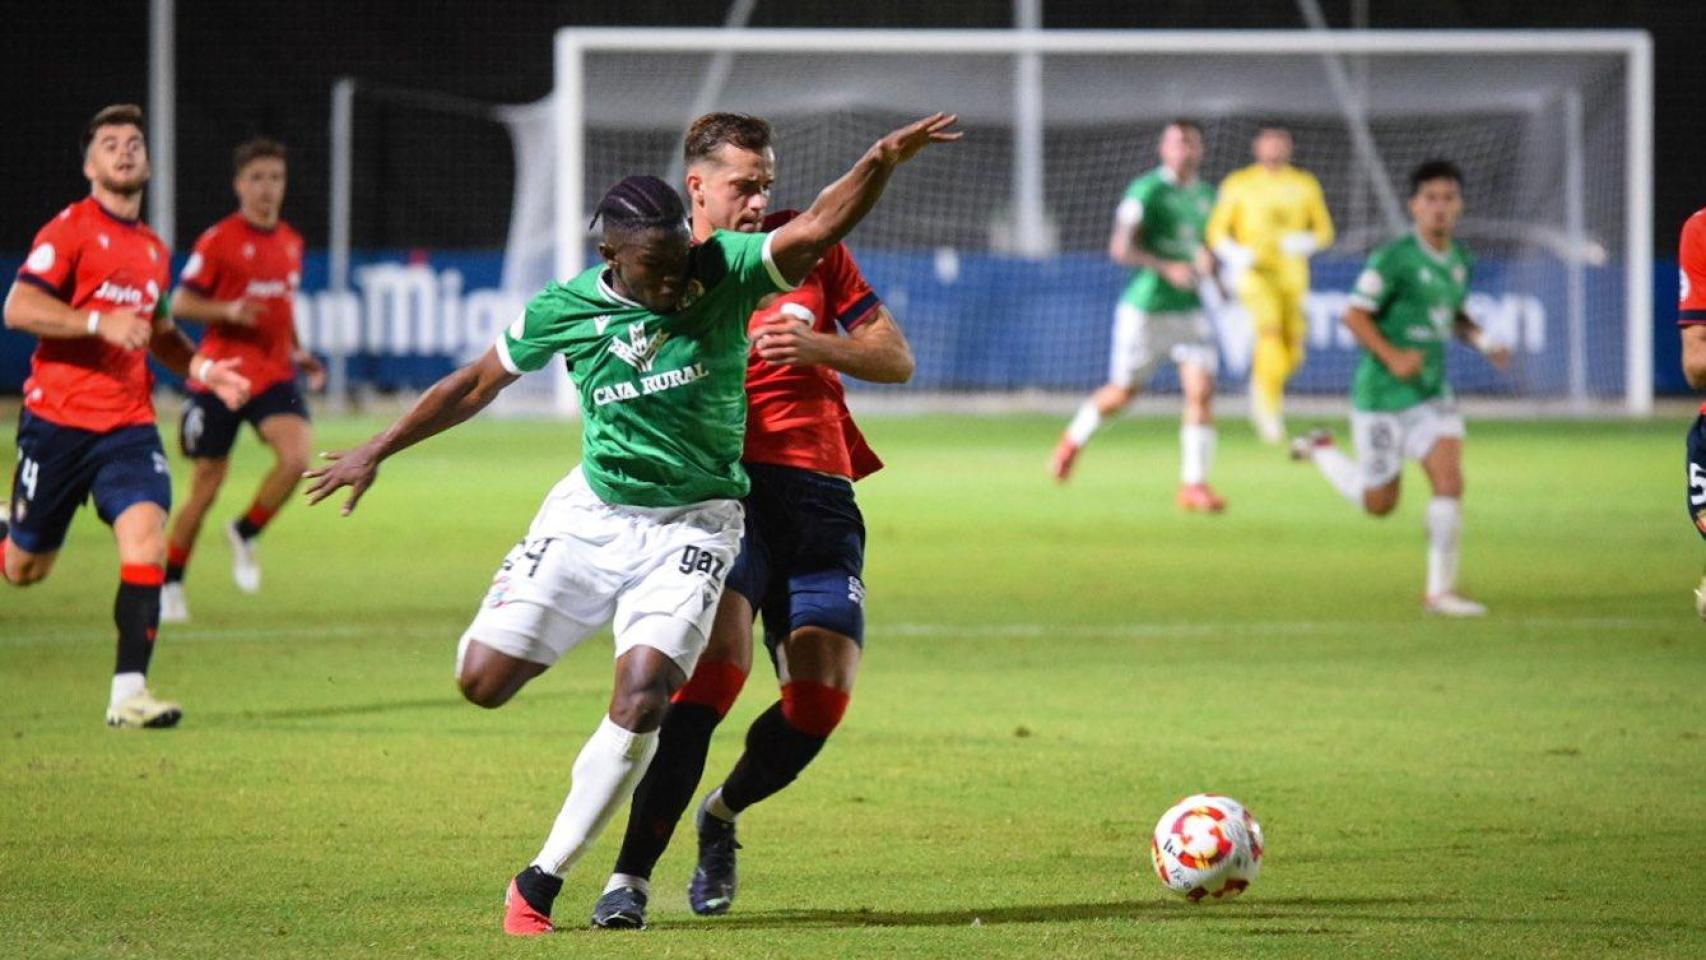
(268, 68)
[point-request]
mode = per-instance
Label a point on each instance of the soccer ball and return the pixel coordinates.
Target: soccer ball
(1207, 847)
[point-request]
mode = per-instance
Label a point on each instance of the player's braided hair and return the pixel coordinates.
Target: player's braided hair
(638, 203)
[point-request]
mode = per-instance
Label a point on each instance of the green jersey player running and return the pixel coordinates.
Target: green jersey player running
(1407, 305)
(1158, 229)
(644, 531)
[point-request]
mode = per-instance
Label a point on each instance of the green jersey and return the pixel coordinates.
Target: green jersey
(663, 395)
(1168, 218)
(1414, 293)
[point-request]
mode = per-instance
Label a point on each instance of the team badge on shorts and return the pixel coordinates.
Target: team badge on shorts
(498, 595)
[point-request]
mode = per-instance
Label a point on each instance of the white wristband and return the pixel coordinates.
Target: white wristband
(94, 322)
(201, 370)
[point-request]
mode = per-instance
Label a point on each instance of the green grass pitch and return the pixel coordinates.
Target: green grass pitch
(1049, 668)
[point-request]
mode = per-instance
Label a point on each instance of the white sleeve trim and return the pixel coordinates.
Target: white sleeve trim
(770, 267)
(504, 357)
(1129, 213)
(1362, 303)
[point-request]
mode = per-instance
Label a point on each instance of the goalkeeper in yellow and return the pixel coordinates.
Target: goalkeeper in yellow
(1270, 218)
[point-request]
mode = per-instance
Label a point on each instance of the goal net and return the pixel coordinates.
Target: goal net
(991, 253)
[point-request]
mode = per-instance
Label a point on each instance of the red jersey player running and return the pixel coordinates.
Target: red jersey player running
(241, 281)
(803, 551)
(1691, 314)
(93, 291)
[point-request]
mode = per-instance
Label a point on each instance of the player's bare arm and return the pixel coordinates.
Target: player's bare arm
(32, 310)
(797, 246)
(177, 353)
(190, 305)
(447, 403)
(1124, 250)
(1404, 364)
(875, 351)
(1470, 332)
(1694, 355)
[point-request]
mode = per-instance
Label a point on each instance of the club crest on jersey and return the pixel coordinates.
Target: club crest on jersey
(639, 351)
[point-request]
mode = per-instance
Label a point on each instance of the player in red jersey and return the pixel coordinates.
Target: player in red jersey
(803, 553)
(93, 291)
(1691, 316)
(241, 281)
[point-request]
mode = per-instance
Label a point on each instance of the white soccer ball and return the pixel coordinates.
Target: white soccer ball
(1207, 847)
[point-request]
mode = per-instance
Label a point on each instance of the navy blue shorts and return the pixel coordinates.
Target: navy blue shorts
(803, 553)
(1697, 474)
(208, 428)
(60, 467)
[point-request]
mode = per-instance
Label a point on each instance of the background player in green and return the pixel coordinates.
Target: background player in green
(1158, 229)
(1407, 305)
(645, 529)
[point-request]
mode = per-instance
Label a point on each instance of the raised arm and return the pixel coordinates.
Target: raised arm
(1404, 364)
(190, 305)
(31, 309)
(875, 351)
(797, 246)
(447, 403)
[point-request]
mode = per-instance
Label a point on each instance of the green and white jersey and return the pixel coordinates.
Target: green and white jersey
(1414, 293)
(663, 395)
(1169, 218)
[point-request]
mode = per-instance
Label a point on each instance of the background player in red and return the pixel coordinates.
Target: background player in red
(241, 281)
(92, 290)
(803, 553)
(1691, 315)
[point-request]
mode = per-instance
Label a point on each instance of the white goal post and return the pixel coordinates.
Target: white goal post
(1463, 65)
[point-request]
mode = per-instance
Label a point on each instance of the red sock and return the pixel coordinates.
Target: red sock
(142, 574)
(254, 521)
(813, 708)
(3, 541)
(715, 684)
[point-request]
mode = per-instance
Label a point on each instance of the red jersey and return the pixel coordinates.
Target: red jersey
(236, 260)
(1691, 293)
(94, 260)
(797, 415)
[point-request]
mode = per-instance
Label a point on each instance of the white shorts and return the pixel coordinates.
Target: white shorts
(585, 563)
(1141, 340)
(1385, 440)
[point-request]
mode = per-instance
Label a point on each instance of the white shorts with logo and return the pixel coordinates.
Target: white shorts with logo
(585, 563)
(1142, 340)
(1384, 440)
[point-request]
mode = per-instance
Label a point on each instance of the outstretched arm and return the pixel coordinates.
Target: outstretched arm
(797, 246)
(447, 403)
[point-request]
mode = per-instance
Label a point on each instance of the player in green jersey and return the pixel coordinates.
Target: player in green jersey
(644, 531)
(1158, 229)
(1407, 305)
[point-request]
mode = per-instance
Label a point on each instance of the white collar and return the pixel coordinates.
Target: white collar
(609, 292)
(1438, 256)
(1172, 178)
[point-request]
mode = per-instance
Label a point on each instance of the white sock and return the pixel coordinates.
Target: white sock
(620, 880)
(605, 774)
(1445, 525)
(1340, 471)
(715, 806)
(127, 685)
(1084, 423)
(1196, 452)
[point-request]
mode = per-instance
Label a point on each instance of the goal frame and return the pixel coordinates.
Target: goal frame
(572, 44)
